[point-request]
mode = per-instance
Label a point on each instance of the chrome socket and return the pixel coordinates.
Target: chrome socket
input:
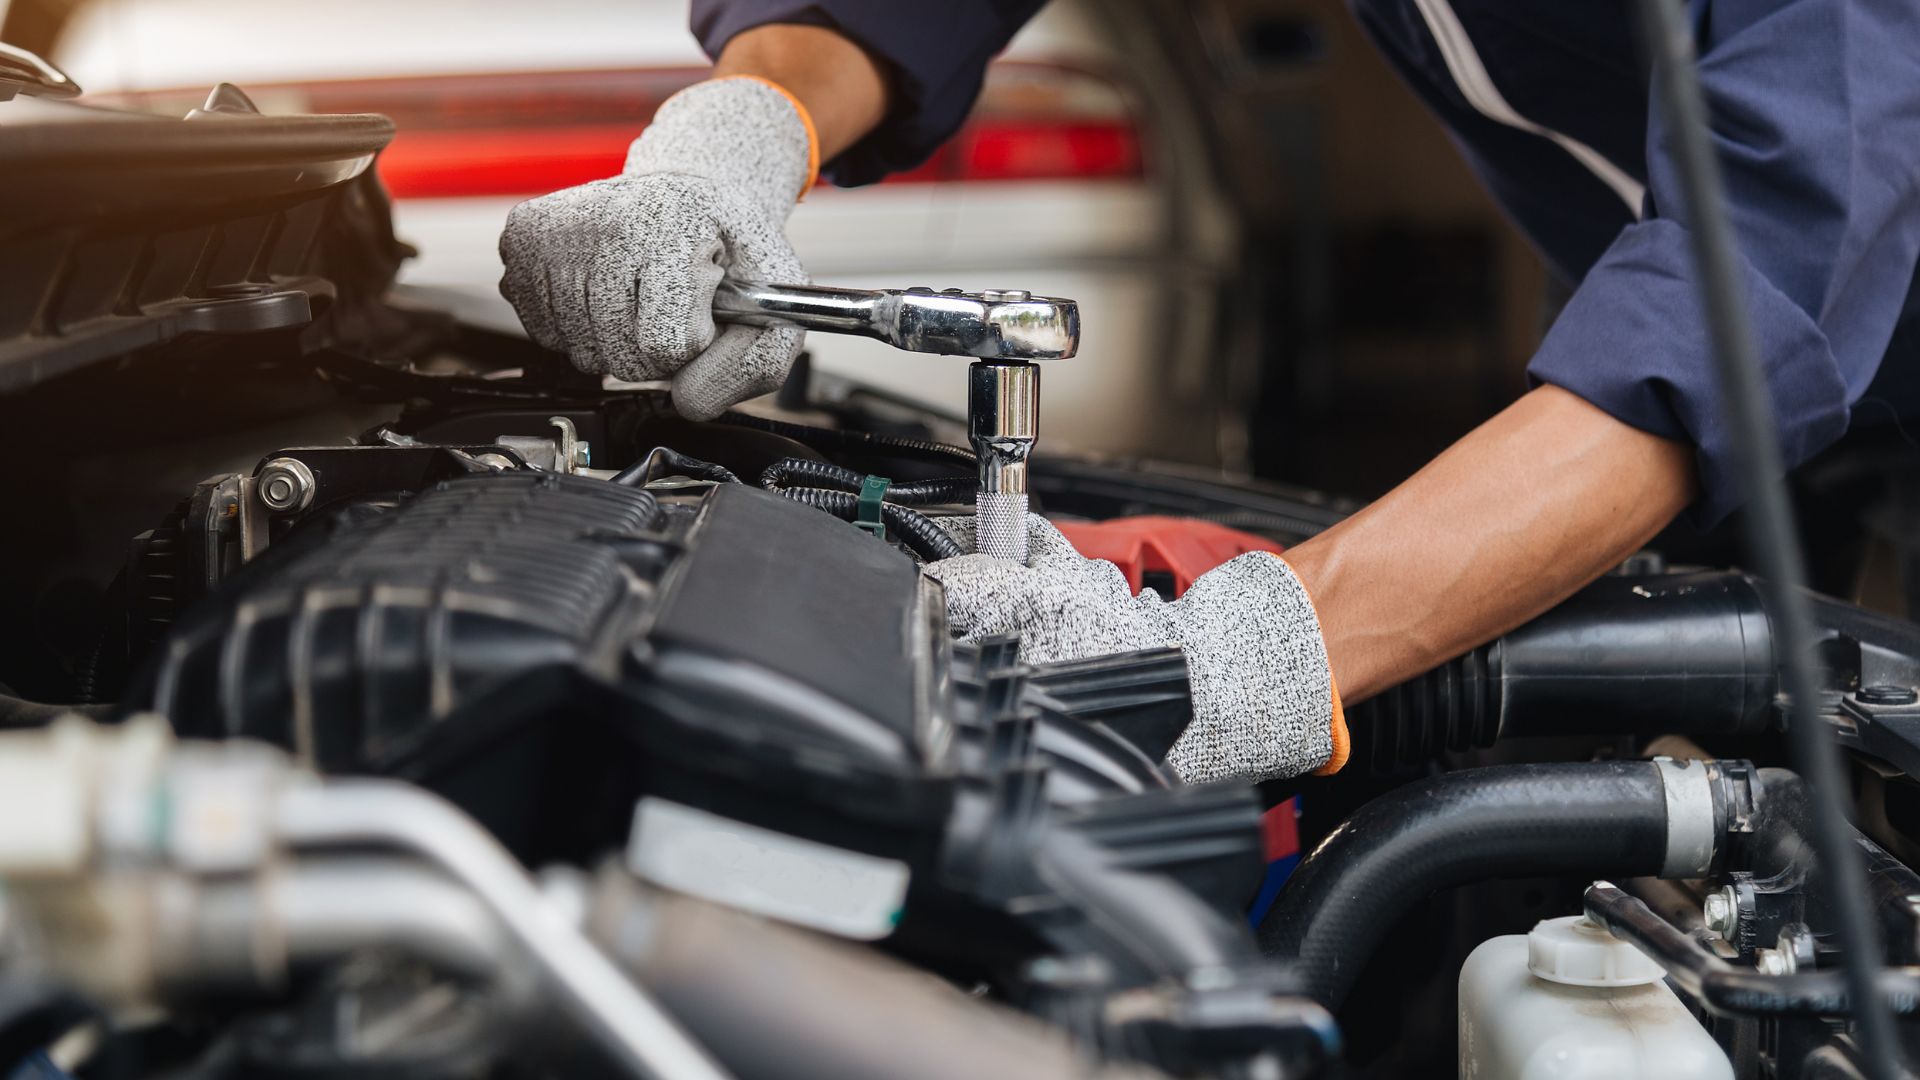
(1003, 423)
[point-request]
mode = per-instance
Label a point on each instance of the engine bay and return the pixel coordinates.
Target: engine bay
(384, 698)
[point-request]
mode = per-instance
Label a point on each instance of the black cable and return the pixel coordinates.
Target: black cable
(1768, 521)
(641, 473)
(805, 472)
(916, 530)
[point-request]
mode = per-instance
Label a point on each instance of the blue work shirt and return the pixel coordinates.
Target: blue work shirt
(1816, 116)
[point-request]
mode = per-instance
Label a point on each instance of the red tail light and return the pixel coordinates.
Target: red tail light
(527, 133)
(1046, 150)
(526, 161)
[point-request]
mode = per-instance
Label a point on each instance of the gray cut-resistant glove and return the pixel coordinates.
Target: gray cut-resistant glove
(1264, 703)
(619, 273)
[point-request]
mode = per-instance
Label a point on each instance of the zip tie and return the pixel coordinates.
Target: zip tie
(873, 494)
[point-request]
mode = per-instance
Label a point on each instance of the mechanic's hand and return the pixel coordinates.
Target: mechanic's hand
(1264, 702)
(619, 274)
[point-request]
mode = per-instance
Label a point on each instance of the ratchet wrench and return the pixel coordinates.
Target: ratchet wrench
(1002, 329)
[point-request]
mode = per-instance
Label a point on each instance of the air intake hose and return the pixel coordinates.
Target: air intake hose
(1639, 654)
(1594, 819)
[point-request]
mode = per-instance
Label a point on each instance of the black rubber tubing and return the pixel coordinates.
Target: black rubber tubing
(917, 531)
(804, 472)
(1595, 819)
(640, 473)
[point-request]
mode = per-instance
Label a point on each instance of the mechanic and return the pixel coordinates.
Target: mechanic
(1818, 115)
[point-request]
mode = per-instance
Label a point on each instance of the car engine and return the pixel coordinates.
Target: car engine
(385, 698)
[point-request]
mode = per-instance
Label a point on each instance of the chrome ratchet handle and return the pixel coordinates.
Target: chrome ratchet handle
(993, 324)
(1002, 329)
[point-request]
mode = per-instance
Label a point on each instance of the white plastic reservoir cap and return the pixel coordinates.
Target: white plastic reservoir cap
(1576, 952)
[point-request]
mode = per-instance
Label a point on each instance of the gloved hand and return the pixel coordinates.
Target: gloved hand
(1264, 703)
(619, 274)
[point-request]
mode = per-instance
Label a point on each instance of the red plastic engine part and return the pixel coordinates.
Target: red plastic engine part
(1180, 548)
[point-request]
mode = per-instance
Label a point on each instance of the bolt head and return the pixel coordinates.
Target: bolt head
(285, 485)
(1718, 913)
(1771, 962)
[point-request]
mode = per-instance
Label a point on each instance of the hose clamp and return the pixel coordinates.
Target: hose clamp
(1692, 820)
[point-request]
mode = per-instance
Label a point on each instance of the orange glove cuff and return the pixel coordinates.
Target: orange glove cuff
(1342, 742)
(1337, 721)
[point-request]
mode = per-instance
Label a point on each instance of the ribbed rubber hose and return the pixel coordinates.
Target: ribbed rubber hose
(917, 531)
(804, 472)
(1595, 819)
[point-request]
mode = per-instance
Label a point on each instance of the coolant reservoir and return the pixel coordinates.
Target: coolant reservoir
(1569, 1000)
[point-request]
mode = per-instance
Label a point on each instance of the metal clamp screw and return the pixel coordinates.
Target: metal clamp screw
(1722, 912)
(285, 485)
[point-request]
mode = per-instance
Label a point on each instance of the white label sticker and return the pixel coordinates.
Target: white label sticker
(811, 884)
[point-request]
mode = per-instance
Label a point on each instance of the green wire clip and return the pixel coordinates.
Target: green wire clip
(873, 493)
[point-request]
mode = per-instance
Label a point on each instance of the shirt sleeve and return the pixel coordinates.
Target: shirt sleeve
(1816, 119)
(935, 54)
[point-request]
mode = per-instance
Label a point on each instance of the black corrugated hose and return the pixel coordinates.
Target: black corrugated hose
(917, 531)
(1601, 819)
(1768, 521)
(805, 472)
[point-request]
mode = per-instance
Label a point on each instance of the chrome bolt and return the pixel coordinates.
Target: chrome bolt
(285, 485)
(1771, 962)
(1796, 947)
(1721, 912)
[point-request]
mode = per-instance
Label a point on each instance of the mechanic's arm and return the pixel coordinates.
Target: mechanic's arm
(1529, 507)
(1820, 148)
(841, 86)
(1822, 166)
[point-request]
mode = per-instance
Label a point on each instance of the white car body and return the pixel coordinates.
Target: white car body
(1142, 262)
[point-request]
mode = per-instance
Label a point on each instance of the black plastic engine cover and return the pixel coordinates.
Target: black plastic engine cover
(799, 595)
(360, 642)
